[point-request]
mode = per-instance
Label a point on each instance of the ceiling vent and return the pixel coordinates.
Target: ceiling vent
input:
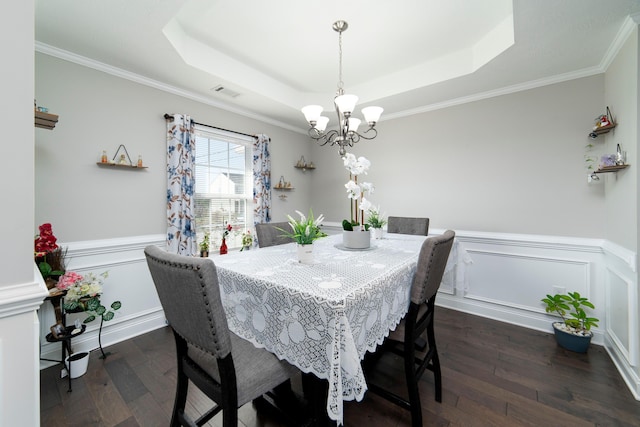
(225, 91)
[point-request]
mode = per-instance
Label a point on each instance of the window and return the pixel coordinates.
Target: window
(224, 185)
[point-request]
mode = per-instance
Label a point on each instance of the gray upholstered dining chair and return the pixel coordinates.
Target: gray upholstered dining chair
(405, 340)
(268, 234)
(228, 369)
(407, 225)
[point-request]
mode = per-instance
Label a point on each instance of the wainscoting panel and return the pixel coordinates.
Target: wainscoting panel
(523, 279)
(505, 279)
(129, 281)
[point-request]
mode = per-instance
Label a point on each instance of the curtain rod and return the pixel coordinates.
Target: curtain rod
(170, 116)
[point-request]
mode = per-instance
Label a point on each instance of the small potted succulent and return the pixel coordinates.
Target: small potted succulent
(376, 220)
(574, 331)
(204, 246)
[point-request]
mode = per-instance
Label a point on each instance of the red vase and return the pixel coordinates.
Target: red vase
(223, 247)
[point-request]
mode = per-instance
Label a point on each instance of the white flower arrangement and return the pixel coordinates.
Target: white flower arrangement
(356, 192)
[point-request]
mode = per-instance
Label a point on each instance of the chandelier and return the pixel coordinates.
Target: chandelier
(347, 132)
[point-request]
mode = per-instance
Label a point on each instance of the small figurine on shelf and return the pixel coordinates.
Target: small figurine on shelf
(123, 160)
(223, 246)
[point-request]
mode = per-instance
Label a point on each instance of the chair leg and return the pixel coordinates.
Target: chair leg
(181, 399)
(412, 384)
(230, 417)
(435, 362)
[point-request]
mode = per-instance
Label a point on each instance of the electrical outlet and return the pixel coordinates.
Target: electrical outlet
(559, 290)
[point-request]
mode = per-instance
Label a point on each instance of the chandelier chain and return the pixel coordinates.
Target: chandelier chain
(340, 82)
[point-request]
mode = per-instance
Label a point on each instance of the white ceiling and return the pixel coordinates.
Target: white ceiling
(407, 56)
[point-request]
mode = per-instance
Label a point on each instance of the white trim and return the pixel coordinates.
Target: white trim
(622, 35)
(137, 78)
(23, 297)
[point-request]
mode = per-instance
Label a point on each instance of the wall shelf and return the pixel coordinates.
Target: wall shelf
(601, 130)
(45, 120)
(607, 169)
(283, 188)
(116, 165)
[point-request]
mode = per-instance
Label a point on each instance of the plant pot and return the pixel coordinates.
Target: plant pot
(305, 253)
(377, 233)
(570, 341)
(79, 363)
(204, 254)
(356, 239)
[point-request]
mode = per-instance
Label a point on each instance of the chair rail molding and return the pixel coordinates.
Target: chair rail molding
(129, 281)
(508, 276)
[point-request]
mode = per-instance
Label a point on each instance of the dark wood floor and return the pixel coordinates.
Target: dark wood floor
(494, 374)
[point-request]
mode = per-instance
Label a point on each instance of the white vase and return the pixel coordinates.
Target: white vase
(305, 253)
(77, 364)
(377, 233)
(356, 239)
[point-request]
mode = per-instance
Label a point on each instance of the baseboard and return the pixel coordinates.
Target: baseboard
(113, 332)
(628, 374)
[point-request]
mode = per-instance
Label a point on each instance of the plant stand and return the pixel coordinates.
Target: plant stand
(64, 340)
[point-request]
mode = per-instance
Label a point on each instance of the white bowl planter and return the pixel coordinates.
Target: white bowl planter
(356, 239)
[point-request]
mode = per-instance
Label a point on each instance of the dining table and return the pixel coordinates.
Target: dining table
(322, 316)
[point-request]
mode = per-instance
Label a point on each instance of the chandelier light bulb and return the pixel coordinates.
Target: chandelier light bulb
(346, 103)
(321, 123)
(353, 124)
(372, 114)
(312, 113)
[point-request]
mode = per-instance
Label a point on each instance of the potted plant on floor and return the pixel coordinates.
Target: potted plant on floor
(574, 331)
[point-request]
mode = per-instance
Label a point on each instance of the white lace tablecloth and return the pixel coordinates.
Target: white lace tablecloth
(322, 317)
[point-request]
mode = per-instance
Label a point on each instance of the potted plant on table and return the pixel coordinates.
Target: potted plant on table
(376, 221)
(574, 331)
(304, 233)
(355, 234)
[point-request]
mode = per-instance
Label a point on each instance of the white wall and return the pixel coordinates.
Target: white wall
(20, 290)
(621, 285)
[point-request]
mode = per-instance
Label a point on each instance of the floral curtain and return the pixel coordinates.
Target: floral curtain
(181, 232)
(261, 180)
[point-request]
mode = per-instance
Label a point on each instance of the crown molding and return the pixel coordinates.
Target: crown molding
(137, 78)
(629, 24)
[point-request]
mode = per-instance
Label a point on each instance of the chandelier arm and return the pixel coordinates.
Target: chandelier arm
(363, 134)
(324, 138)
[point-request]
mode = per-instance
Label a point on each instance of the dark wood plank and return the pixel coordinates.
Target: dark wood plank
(494, 374)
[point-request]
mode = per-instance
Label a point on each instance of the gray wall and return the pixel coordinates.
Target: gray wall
(513, 163)
(98, 111)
